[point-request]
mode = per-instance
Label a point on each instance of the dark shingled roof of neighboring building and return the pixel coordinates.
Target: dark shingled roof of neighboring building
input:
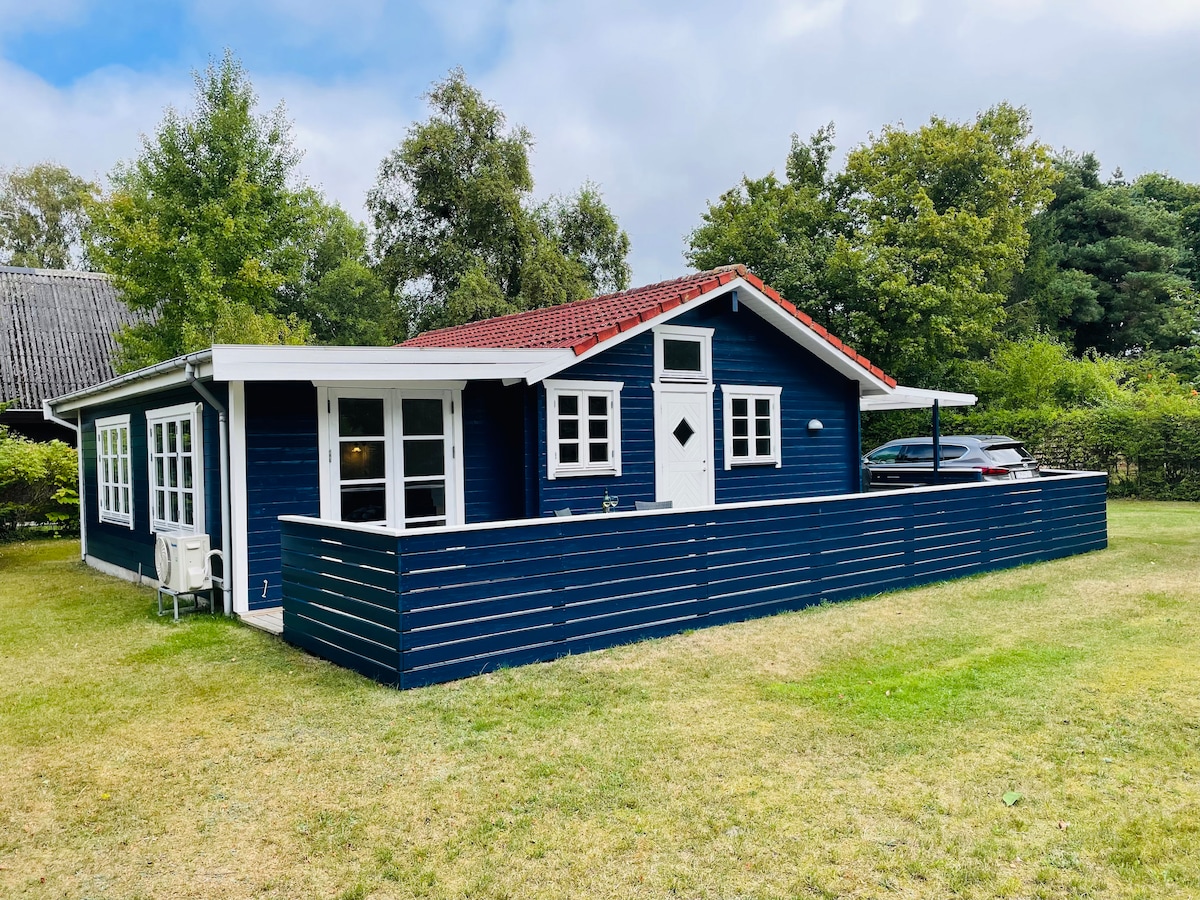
(56, 332)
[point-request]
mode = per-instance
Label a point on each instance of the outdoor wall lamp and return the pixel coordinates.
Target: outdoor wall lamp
(815, 426)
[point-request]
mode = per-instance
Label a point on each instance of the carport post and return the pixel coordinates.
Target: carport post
(937, 438)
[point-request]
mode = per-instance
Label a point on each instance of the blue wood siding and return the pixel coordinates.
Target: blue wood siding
(282, 476)
(493, 451)
(429, 607)
(130, 548)
(746, 351)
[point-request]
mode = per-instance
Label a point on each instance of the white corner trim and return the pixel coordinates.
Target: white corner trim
(83, 514)
(238, 502)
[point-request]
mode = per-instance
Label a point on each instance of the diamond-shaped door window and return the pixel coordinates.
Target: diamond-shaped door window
(683, 432)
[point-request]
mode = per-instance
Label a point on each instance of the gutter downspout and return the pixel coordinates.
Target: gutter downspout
(189, 373)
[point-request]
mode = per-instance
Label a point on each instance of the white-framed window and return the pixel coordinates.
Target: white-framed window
(682, 353)
(114, 485)
(751, 425)
(175, 452)
(392, 456)
(583, 428)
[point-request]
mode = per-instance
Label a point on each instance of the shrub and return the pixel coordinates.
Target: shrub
(39, 484)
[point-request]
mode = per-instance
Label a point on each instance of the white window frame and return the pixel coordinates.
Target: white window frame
(611, 391)
(193, 413)
(750, 393)
(702, 336)
(109, 469)
(329, 439)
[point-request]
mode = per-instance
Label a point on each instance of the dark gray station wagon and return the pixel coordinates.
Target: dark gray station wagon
(997, 457)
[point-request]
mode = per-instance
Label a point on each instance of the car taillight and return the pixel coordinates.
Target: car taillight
(991, 470)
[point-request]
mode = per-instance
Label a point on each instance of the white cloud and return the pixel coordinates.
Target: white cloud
(667, 106)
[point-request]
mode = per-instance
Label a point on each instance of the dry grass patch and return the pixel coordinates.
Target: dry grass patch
(854, 750)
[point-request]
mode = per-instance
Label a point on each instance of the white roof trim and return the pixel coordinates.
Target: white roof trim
(142, 381)
(903, 397)
(758, 302)
(409, 364)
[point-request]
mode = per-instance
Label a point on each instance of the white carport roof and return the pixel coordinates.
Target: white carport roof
(904, 397)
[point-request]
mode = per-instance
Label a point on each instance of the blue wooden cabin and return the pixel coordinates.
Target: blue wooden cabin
(701, 392)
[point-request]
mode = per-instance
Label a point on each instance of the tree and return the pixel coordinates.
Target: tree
(43, 217)
(456, 234)
(207, 233)
(1114, 266)
(910, 251)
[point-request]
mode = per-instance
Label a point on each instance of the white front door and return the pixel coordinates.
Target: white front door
(683, 445)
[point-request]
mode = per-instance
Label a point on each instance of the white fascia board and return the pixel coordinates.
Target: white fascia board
(759, 303)
(376, 364)
(903, 397)
(144, 381)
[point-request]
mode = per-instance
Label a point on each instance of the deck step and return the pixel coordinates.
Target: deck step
(269, 620)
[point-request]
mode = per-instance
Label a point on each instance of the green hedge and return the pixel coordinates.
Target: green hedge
(39, 484)
(1152, 453)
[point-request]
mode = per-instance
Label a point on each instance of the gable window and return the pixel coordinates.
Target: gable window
(176, 469)
(752, 423)
(583, 427)
(682, 353)
(114, 487)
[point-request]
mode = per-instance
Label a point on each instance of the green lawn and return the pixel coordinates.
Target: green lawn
(855, 750)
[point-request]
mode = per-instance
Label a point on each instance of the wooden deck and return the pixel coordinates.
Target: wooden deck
(270, 620)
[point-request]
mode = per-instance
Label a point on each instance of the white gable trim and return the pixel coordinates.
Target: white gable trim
(758, 302)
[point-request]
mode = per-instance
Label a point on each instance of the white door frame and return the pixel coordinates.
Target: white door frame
(327, 440)
(662, 434)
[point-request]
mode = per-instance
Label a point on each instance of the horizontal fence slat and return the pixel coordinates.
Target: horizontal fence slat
(425, 607)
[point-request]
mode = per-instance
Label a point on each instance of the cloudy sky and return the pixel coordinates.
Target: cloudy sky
(663, 105)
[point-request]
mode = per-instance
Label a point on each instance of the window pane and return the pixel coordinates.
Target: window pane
(187, 510)
(160, 505)
(597, 428)
(432, 523)
(364, 504)
(740, 407)
(172, 471)
(171, 445)
(681, 356)
(568, 429)
(362, 459)
(124, 470)
(421, 416)
(762, 406)
(568, 405)
(598, 452)
(187, 472)
(125, 500)
(360, 417)
(424, 458)
(762, 446)
(172, 506)
(424, 500)
(124, 442)
(185, 435)
(597, 405)
(741, 427)
(762, 427)
(741, 447)
(159, 481)
(158, 437)
(568, 453)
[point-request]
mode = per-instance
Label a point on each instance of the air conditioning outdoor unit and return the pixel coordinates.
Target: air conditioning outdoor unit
(182, 562)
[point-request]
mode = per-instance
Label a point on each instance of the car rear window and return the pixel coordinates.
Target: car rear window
(1006, 454)
(952, 451)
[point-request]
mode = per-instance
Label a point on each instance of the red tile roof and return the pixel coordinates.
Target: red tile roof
(586, 323)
